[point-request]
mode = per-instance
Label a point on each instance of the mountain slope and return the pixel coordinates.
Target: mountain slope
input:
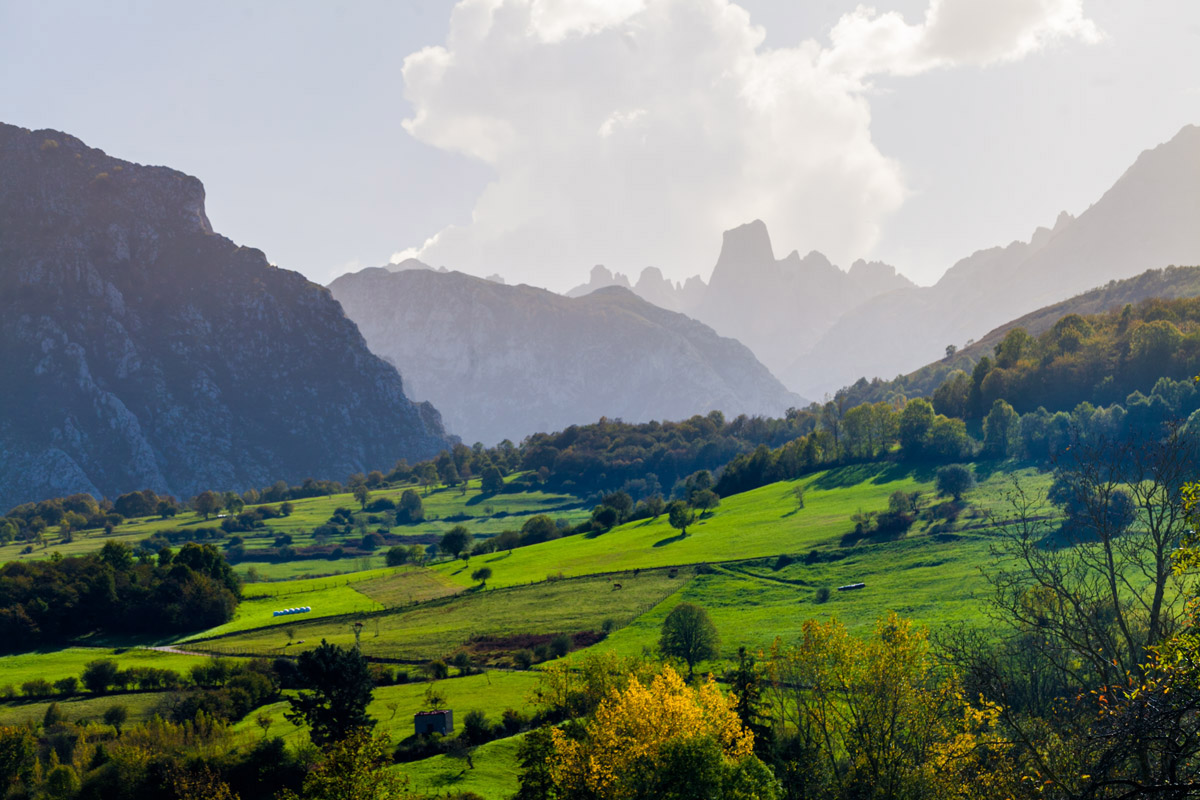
(1166, 284)
(1147, 220)
(506, 361)
(140, 349)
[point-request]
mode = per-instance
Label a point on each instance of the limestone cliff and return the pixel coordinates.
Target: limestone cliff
(140, 349)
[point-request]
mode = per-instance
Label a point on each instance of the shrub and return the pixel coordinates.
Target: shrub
(523, 658)
(542, 652)
(608, 626)
(821, 595)
(68, 685)
(560, 645)
(476, 729)
(38, 687)
(512, 721)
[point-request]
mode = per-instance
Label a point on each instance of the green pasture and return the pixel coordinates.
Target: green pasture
(140, 705)
(484, 515)
(494, 776)
(393, 707)
(438, 628)
(929, 581)
(70, 661)
(359, 592)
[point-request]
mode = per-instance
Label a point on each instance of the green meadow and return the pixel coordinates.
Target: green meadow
(140, 706)
(493, 773)
(484, 515)
(438, 628)
(393, 707)
(70, 661)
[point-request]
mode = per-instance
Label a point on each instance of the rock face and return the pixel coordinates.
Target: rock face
(1147, 220)
(141, 350)
(506, 361)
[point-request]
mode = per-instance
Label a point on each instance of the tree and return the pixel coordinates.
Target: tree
(798, 492)
(98, 675)
(706, 500)
(955, 480)
(356, 767)
(1091, 605)
(661, 740)
(1001, 430)
(397, 556)
(916, 420)
(688, 634)
(679, 516)
(410, 510)
(362, 494)
(873, 717)
(336, 688)
(492, 480)
(481, 575)
(207, 503)
(455, 541)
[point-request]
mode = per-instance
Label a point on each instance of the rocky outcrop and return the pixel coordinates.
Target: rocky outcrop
(141, 350)
(506, 361)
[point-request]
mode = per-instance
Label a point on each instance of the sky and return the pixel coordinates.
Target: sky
(536, 138)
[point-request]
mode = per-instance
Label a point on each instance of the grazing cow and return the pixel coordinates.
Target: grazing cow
(616, 586)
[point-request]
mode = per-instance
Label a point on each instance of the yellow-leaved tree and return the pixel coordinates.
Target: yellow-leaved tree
(877, 717)
(664, 739)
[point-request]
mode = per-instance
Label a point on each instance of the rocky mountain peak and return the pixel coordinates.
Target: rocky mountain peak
(745, 246)
(176, 360)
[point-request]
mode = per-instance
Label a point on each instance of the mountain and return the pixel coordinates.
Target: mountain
(506, 361)
(777, 307)
(141, 350)
(1162, 284)
(1146, 220)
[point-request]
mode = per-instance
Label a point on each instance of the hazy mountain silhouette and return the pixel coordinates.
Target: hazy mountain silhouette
(506, 361)
(1148, 219)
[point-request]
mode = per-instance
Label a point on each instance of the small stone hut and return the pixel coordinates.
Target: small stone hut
(438, 721)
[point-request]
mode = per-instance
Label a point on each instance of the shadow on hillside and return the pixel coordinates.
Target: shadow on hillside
(498, 558)
(670, 540)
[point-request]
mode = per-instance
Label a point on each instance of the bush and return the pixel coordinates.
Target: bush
(476, 728)
(821, 595)
(542, 652)
(68, 685)
(38, 687)
(523, 658)
(560, 645)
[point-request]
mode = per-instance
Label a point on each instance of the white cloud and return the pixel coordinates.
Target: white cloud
(632, 133)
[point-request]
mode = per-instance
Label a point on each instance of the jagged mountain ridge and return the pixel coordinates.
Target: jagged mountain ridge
(506, 361)
(777, 307)
(1146, 220)
(141, 349)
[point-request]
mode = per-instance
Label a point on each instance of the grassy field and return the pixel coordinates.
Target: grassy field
(140, 705)
(756, 524)
(70, 661)
(484, 515)
(494, 776)
(359, 592)
(441, 627)
(393, 707)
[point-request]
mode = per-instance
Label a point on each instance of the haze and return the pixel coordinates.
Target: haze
(537, 139)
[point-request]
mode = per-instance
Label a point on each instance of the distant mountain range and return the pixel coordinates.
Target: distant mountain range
(139, 349)
(777, 307)
(507, 361)
(819, 328)
(1150, 218)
